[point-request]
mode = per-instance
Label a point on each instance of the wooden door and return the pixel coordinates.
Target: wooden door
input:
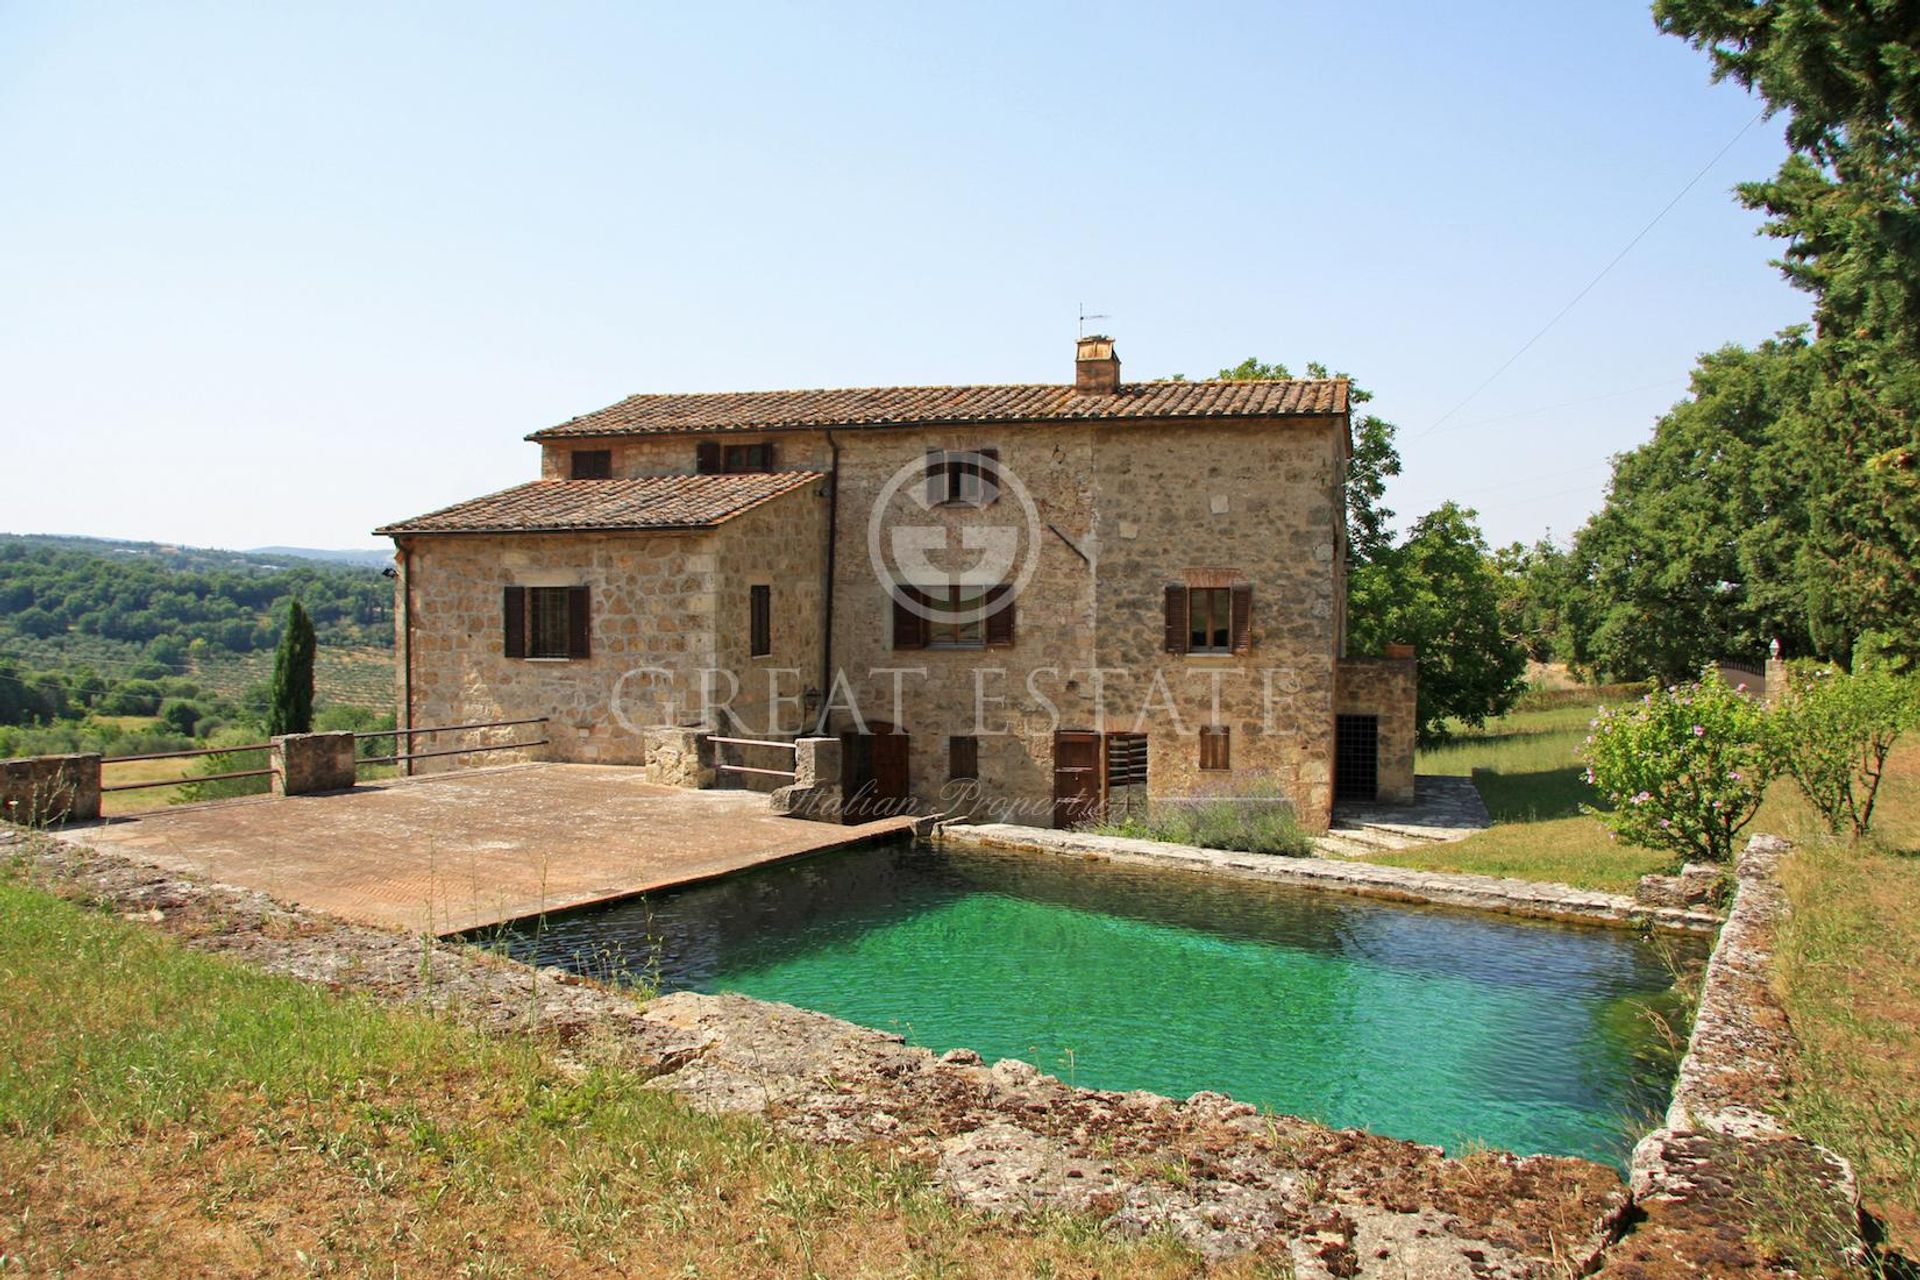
(873, 773)
(1076, 777)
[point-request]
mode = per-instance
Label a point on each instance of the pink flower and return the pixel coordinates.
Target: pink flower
(1699, 731)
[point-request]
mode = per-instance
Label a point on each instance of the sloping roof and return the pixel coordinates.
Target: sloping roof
(649, 502)
(904, 406)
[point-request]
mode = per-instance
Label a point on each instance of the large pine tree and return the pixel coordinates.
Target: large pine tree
(290, 705)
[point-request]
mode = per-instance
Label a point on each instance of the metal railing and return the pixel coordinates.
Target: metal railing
(188, 753)
(789, 774)
(400, 757)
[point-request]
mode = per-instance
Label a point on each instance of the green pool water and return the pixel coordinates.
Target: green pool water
(1440, 1026)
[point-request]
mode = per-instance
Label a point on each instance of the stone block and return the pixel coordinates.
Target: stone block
(37, 790)
(308, 763)
(679, 757)
(814, 803)
(816, 762)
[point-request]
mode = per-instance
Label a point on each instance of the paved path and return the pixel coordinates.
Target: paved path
(457, 851)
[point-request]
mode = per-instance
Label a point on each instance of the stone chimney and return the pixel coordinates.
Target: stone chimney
(1096, 370)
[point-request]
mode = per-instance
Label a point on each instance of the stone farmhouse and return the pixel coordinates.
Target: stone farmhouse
(1048, 598)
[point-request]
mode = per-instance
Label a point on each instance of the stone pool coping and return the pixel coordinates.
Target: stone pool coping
(1531, 898)
(1726, 1166)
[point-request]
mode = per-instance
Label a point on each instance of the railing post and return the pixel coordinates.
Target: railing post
(36, 790)
(680, 758)
(305, 763)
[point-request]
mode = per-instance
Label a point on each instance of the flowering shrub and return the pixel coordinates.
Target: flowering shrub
(1684, 768)
(1833, 731)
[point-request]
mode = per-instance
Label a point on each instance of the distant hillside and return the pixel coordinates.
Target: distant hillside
(372, 559)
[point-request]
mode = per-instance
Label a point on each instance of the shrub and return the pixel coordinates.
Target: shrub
(1832, 732)
(227, 762)
(1252, 819)
(1684, 768)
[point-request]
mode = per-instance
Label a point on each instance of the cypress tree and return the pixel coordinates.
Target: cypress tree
(290, 706)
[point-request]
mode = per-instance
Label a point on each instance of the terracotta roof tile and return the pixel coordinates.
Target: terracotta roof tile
(905, 406)
(650, 502)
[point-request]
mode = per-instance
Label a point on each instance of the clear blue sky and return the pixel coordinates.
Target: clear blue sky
(277, 274)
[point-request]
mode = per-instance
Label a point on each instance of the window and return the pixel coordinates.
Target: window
(547, 622)
(1209, 619)
(593, 464)
(948, 617)
(713, 458)
(760, 622)
(963, 758)
(1215, 747)
(962, 479)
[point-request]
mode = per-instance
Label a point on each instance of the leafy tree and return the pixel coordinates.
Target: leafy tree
(1440, 592)
(179, 715)
(1846, 204)
(1534, 586)
(1700, 551)
(1374, 461)
(290, 702)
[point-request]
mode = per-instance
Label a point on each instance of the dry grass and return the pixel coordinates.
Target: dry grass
(163, 1112)
(1849, 970)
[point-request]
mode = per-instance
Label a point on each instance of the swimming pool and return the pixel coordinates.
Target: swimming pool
(1442, 1026)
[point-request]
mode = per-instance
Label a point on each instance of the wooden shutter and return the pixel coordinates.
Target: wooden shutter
(936, 477)
(909, 627)
(593, 464)
(769, 456)
(515, 612)
(579, 623)
(999, 628)
(1176, 617)
(963, 759)
(1242, 618)
(706, 457)
(759, 621)
(989, 477)
(1215, 747)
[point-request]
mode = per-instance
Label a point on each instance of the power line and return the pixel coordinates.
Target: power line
(1591, 284)
(1549, 408)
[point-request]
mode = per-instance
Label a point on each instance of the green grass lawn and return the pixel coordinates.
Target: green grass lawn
(164, 1112)
(1526, 767)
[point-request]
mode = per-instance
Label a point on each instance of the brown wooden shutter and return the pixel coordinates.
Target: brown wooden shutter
(1242, 618)
(1215, 747)
(999, 628)
(579, 623)
(936, 477)
(706, 457)
(515, 612)
(909, 627)
(963, 759)
(1176, 617)
(770, 456)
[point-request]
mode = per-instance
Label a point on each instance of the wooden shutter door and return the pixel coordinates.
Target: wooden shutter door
(1176, 617)
(999, 628)
(579, 623)
(909, 628)
(706, 457)
(1242, 618)
(514, 610)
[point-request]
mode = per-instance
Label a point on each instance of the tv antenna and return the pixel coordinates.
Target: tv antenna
(1084, 317)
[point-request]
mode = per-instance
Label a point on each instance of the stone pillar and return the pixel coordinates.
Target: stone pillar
(1776, 675)
(306, 763)
(37, 790)
(816, 762)
(679, 758)
(815, 793)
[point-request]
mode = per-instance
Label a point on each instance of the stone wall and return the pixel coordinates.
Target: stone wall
(1387, 688)
(43, 789)
(309, 763)
(658, 600)
(1212, 501)
(675, 455)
